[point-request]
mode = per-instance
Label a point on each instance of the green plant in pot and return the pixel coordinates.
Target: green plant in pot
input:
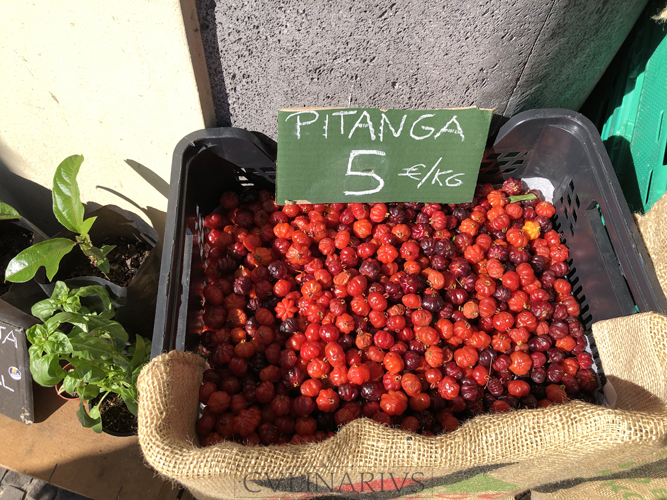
(69, 211)
(86, 336)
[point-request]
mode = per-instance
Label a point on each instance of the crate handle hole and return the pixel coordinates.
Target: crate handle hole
(587, 321)
(648, 189)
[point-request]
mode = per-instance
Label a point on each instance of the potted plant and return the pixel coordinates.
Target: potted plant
(69, 211)
(133, 289)
(82, 332)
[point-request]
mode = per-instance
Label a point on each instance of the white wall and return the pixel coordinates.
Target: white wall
(113, 81)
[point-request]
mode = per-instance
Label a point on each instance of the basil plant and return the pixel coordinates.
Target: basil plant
(104, 361)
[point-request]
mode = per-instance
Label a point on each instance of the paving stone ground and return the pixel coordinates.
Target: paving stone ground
(17, 486)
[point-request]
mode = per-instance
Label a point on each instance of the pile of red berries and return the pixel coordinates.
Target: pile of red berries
(415, 315)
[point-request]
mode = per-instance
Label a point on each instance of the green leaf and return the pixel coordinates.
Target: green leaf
(87, 420)
(35, 351)
(88, 323)
(89, 372)
(7, 212)
(113, 328)
(107, 314)
(37, 335)
(93, 252)
(97, 256)
(88, 347)
(95, 375)
(98, 290)
(44, 309)
(46, 370)
(130, 398)
(60, 291)
(139, 356)
(522, 197)
(46, 253)
(87, 224)
(106, 249)
(94, 412)
(103, 265)
(71, 382)
(89, 392)
(52, 324)
(60, 299)
(73, 305)
(136, 372)
(58, 343)
(67, 206)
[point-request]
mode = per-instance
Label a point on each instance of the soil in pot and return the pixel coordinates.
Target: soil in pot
(14, 239)
(115, 415)
(124, 261)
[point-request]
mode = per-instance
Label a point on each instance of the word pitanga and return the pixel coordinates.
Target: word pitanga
(415, 315)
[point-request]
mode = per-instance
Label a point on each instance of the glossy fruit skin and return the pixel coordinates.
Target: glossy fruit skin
(411, 314)
(448, 388)
(518, 388)
(521, 363)
(466, 357)
(394, 403)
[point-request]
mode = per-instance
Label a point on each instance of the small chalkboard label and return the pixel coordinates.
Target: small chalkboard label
(333, 155)
(15, 381)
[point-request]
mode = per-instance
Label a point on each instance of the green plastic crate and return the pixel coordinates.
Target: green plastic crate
(629, 107)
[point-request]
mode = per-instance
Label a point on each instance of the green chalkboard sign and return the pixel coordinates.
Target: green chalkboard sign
(335, 155)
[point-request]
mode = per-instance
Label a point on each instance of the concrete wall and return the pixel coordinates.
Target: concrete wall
(114, 81)
(510, 55)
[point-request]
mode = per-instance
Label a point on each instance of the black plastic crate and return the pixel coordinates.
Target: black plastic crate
(556, 150)
(206, 163)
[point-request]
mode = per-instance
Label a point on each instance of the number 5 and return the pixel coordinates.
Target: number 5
(356, 152)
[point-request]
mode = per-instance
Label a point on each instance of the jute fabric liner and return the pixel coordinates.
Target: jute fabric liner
(652, 228)
(563, 451)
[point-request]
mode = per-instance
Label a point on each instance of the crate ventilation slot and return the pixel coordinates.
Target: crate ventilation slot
(252, 176)
(199, 232)
(570, 203)
(495, 164)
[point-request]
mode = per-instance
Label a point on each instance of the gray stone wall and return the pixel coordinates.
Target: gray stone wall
(510, 55)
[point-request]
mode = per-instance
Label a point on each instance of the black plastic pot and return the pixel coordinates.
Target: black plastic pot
(17, 401)
(110, 432)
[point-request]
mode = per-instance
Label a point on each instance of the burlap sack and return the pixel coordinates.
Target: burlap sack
(652, 228)
(575, 450)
